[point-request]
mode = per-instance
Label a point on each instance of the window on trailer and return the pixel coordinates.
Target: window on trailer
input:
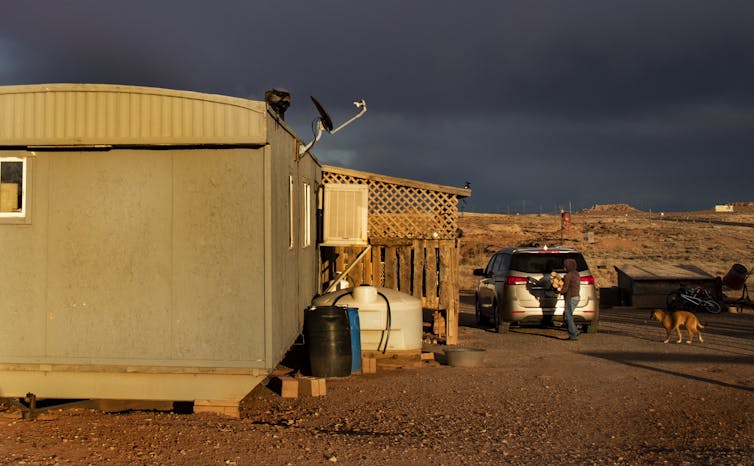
(290, 212)
(12, 187)
(307, 206)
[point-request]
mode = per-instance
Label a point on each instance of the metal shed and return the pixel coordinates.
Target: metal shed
(157, 244)
(649, 286)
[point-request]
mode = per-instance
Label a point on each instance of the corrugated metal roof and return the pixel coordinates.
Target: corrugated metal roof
(101, 114)
(664, 272)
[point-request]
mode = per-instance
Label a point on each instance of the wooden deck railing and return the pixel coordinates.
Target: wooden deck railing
(426, 269)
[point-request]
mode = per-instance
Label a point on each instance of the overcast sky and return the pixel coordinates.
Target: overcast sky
(539, 104)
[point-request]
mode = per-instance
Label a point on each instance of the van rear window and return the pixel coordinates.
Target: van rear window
(546, 263)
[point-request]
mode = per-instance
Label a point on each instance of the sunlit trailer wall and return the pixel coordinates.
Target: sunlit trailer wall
(156, 244)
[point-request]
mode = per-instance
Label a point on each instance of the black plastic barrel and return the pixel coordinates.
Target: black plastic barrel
(328, 339)
(736, 277)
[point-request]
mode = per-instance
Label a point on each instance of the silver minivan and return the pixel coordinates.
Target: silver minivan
(516, 288)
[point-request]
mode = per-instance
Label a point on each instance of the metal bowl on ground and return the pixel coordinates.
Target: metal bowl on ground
(465, 357)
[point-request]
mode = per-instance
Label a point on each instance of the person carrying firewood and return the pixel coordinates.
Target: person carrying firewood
(570, 292)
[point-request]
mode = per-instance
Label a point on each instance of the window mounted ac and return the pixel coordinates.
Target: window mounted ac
(345, 215)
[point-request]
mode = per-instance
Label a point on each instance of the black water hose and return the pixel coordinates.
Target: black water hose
(348, 316)
(386, 332)
(338, 299)
(389, 324)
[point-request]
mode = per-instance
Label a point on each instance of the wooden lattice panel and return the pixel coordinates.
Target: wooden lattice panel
(399, 211)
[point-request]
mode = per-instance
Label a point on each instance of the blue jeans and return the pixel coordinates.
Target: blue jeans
(570, 306)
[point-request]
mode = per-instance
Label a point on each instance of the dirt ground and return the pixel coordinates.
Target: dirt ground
(619, 396)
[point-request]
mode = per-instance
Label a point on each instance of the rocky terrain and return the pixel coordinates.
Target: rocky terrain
(616, 235)
(619, 396)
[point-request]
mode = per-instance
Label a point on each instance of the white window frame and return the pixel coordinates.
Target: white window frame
(24, 191)
(306, 239)
(291, 216)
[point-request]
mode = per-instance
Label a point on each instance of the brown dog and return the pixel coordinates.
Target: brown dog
(673, 321)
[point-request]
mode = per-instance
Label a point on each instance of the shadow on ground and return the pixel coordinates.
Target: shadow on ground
(644, 360)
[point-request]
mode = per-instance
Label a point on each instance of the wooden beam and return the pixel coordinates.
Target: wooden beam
(418, 268)
(430, 274)
(348, 269)
(404, 262)
(377, 265)
(460, 192)
(391, 280)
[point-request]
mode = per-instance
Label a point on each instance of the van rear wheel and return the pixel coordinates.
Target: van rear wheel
(480, 317)
(500, 326)
(503, 327)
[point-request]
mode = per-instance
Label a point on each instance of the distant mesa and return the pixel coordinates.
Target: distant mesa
(610, 209)
(746, 207)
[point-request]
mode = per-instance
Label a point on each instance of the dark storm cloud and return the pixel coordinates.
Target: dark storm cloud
(537, 102)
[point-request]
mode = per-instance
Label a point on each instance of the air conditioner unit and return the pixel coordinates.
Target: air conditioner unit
(345, 215)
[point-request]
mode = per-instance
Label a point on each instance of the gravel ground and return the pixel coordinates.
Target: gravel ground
(620, 396)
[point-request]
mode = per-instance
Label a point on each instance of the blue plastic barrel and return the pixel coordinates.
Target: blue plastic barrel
(353, 319)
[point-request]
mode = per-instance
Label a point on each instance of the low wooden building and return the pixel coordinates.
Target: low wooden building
(649, 286)
(413, 236)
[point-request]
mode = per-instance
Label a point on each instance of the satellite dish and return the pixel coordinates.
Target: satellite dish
(324, 122)
(324, 117)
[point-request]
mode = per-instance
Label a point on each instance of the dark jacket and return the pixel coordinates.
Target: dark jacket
(571, 280)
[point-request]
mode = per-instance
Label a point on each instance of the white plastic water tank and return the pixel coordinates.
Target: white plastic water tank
(405, 329)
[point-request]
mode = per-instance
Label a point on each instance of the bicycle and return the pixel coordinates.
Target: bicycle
(693, 298)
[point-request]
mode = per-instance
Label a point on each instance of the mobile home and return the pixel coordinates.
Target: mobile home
(157, 244)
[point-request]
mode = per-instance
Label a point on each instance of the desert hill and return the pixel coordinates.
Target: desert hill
(618, 235)
(611, 209)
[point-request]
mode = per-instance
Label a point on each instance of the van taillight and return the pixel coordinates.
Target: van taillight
(516, 281)
(588, 280)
